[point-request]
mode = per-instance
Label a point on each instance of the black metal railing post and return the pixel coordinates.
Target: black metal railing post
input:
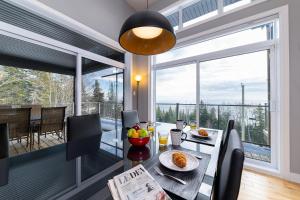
(177, 111)
(218, 116)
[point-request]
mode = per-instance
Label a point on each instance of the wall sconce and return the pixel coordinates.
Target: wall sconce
(138, 79)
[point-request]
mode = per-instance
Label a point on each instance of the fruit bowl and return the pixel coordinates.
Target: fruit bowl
(139, 142)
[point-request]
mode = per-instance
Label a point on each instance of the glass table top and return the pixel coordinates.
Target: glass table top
(144, 155)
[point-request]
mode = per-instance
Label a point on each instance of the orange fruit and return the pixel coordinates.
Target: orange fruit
(135, 135)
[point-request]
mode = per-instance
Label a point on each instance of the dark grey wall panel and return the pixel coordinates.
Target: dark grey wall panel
(31, 22)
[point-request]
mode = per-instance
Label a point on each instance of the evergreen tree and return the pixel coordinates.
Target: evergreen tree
(159, 116)
(98, 95)
(257, 135)
(204, 116)
(213, 118)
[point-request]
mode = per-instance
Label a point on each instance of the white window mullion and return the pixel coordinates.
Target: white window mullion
(78, 82)
(273, 118)
(198, 93)
(180, 22)
(220, 7)
(153, 71)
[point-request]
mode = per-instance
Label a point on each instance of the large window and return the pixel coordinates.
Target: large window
(230, 77)
(102, 93)
(262, 33)
(42, 83)
(172, 90)
(238, 88)
(193, 12)
(36, 97)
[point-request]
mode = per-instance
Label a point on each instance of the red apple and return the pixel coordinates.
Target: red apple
(136, 127)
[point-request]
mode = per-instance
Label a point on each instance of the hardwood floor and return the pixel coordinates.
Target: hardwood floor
(263, 187)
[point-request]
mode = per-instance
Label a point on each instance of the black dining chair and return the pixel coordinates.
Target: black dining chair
(228, 178)
(83, 135)
(225, 137)
(224, 142)
(4, 154)
(129, 118)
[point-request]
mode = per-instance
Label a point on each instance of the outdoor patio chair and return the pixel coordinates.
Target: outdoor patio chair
(18, 120)
(52, 122)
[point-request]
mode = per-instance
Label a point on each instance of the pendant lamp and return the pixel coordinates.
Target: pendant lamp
(147, 33)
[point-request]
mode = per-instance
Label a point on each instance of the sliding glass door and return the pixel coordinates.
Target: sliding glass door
(228, 77)
(102, 93)
(238, 88)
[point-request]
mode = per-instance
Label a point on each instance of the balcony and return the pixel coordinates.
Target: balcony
(251, 121)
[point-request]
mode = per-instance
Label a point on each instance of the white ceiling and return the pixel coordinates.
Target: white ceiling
(140, 4)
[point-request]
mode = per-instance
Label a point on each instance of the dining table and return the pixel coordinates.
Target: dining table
(202, 181)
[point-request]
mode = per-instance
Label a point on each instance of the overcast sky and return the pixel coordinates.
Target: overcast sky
(220, 80)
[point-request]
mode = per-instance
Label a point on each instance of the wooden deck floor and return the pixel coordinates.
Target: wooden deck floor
(263, 187)
(16, 148)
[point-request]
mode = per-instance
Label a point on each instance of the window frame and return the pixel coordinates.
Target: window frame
(270, 45)
(220, 12)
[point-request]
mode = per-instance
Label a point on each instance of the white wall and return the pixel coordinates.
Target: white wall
(104, 16)
(140, 66)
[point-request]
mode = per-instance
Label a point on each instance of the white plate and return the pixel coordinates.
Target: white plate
(166, 160)
(196, 134)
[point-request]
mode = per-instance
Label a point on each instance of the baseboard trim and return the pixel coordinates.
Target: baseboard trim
(263, 170)
(294, 177)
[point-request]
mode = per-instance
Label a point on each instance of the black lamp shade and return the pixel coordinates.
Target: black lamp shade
(137, 45)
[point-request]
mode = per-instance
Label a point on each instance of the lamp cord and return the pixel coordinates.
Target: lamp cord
(147, 5)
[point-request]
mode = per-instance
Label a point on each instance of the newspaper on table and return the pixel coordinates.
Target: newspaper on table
(136, 184)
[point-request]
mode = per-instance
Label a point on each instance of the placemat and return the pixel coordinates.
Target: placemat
(193, 178)
(211, 140)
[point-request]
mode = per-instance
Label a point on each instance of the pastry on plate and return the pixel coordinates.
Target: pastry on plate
(203, 132)
(179, 159)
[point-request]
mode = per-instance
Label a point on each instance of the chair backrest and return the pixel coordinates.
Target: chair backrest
(35, 110)
(52, 119)
(3, 140)
(224, 143)
(229, 176)
(129, 118)
(83, 135)
(18, 120)
(4, 160)
(5, 106)
(230, 126)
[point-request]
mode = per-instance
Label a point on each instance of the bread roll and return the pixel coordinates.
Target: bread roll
(179, 159)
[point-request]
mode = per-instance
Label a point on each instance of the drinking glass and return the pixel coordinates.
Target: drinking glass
(163, 138)
(193, 125)
(151, 128)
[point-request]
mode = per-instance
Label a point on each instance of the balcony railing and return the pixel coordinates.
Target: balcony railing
(107, 109)
(252, 121)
